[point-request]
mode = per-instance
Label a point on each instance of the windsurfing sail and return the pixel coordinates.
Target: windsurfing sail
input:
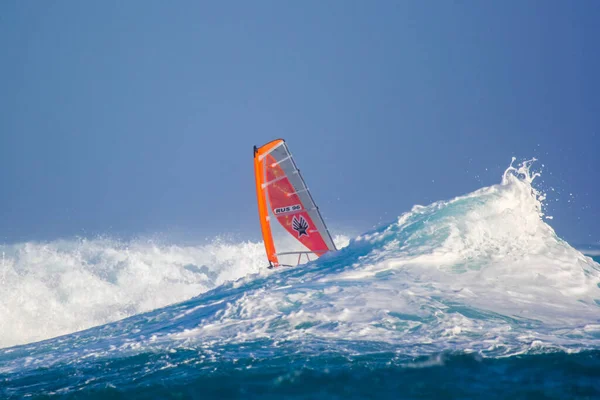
(300, 233)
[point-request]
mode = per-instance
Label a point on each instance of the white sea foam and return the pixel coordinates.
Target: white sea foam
(50, 289)
(590, 251)
(55, 288)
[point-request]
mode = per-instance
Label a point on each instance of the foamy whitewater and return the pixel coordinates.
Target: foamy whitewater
(472, 296)
(51, 289)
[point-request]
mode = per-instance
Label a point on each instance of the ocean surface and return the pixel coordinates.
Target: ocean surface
(475, 297)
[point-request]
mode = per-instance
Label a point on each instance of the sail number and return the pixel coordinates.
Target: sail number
(287, 209)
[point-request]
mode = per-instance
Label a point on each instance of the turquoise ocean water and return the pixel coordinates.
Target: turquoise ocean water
(468, 298)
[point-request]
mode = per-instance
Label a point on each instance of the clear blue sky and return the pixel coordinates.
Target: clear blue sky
(139, 117)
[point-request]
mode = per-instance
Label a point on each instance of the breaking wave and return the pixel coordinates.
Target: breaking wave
(482, 272)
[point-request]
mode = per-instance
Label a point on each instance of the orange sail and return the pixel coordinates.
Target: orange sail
(283, 195)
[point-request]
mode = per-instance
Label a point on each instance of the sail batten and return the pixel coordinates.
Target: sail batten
(284, 197)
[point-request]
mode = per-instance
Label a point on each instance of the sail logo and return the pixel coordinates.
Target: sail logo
(300, 225)
(287, 209)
